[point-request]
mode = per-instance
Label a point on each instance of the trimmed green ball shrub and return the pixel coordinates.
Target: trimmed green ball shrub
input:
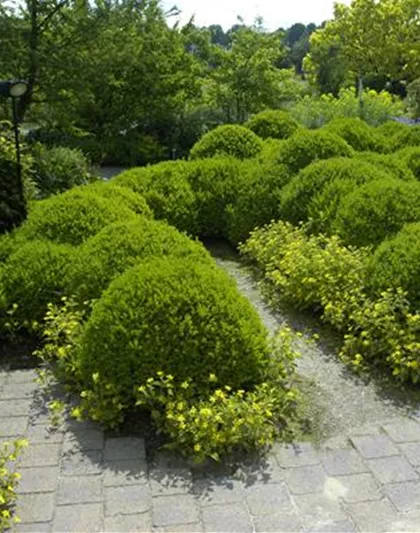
(358, 134)
(231, 139)
(73, 217)
(390, 163)
(396, 263)
(377, 210)
(120, 246)
(391, 128)
(125, 195)
(297, 195)
(408, 137)
(167, 192)
(177, 316)
(273, 123)
(411, 158)
(306, 146)
(32, 277)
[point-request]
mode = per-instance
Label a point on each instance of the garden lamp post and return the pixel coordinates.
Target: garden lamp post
(14, 89)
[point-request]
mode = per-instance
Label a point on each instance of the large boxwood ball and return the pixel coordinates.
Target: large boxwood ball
(126, 196)
(120, 246)
(377, 210)
(408, 137)
(411, 158)
(233, 140)
(392, 164)
(32, 277)
(73, 217)
(391, 128)
(307, 146)
(396, 263)
(177, 316)
(273, 123)
(358, 134)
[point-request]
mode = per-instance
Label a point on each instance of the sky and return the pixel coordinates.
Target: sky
(276, 13)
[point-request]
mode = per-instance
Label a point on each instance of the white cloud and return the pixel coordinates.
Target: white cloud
(276, 13)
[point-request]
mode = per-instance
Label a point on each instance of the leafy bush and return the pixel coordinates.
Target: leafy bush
(396, 263)
(175, 316)
(58, 169)
(305, 147)
(411, 157)
(408, 137)
(122, 245)
(167, 192)
(358, 134)
(391, 128)
(9, 455)
(257, 199)
(297, 196)
(275, 124)
(233, 140)
(377, 210)
(126, 196)
(73, 217)
(31, 277)
(390, 163)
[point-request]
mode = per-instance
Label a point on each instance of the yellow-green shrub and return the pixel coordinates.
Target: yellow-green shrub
(9, 480)
(272, 123)
(124, 195)
(408, 137)
(411, 158)
(392, 164)
(358, 134)
(391, 128)
(229, 140)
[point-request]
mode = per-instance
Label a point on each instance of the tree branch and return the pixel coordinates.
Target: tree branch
(44, 22)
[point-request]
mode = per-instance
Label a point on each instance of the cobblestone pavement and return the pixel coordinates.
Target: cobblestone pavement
(78, 479)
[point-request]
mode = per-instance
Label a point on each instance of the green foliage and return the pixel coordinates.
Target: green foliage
(228, 140)
(58, 169)
(30, 278)
(167, 192)
(358, 134)
(408, 137)
(9, 455)
(396, 263)
(257, 199)
(413, 98)
(306, 146)
(127, 197)
(411, 157)
(377, 210)
(300, 192)
(391, 128)
(393, 164)
(120, 246)
(275, 124)
(175, 316)
(73, 217)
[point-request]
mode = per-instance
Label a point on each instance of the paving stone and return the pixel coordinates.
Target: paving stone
(334, 527)
(82, 464)
(73, 489)
(403, 431)
(392, 469)
(13, 408)
(13, 427)
(173, 510)
(305, 480)
(78, 518)
(342, 462)
(41, 479)
(197, 527)
(405, 523)
(128, 523)
(218, 491)
(372, 446)
(319, 509)
(35, 507)
(373, 517)
(21, 376)
(227, 518)
(405, 496)
(130, 499)
(302, 454)
(41, 455)
(262, 499)
(262, 470)
(166, 459)
(120, 473)
(87, 439)
(45, 433)
(18, 391)
(170, 481)
(34, 527)
(278, 523)
(124, 448)
(366, 429)
(357, 488)
(412, 451)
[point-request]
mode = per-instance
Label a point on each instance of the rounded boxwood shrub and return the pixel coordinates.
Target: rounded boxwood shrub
(358, 134)
(166, 190)
(32, 277)
(122, 245)
(396, 263)
(408, 137)
(231, 139)
(391, 128)
(174, 316)
(273, 123)
(307, 146)
(125, 195)
(73, 217)
(297, 195)
(391, 163)
(411, 158)
(377, 210)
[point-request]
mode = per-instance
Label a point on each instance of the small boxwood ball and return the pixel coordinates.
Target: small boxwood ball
(230, 139)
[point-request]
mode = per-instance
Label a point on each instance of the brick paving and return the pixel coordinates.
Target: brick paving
(77, 478)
